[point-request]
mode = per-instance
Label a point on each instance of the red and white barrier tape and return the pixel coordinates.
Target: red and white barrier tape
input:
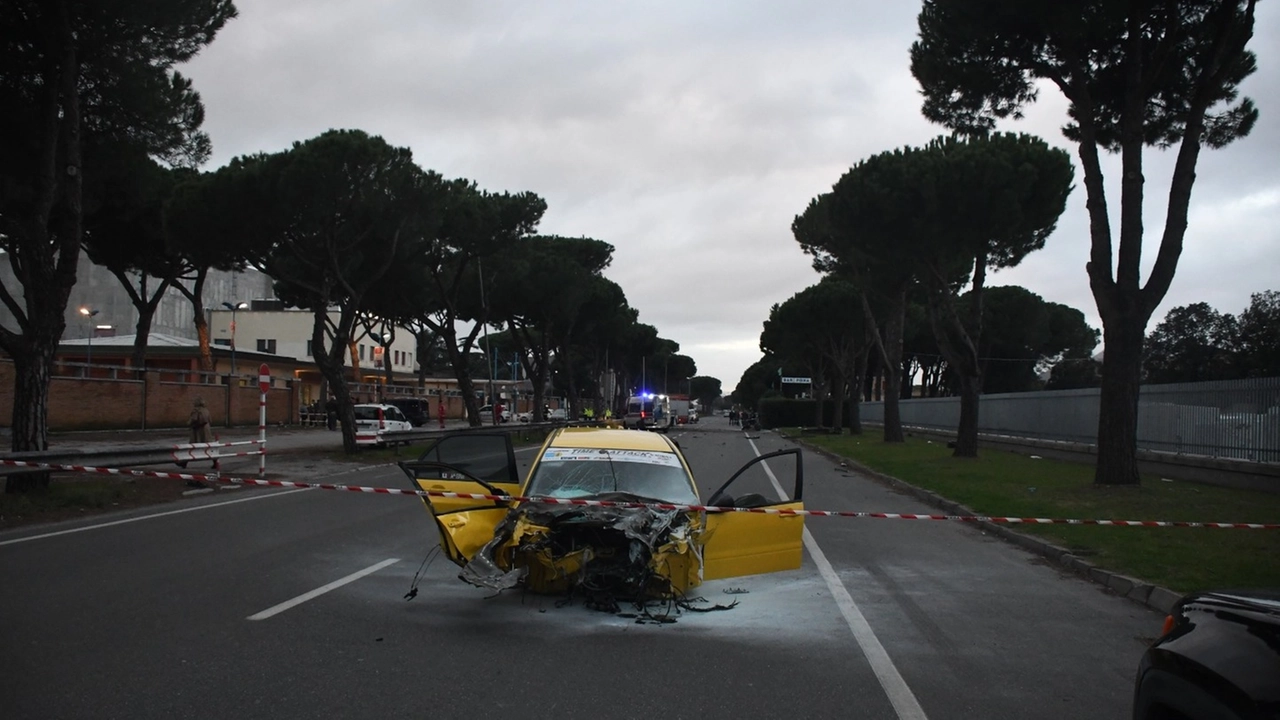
(202, 445)
(654, 505)
(193, 455)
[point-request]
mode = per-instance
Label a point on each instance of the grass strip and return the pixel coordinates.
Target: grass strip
(1003, 483)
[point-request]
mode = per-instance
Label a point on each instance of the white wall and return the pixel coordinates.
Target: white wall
(291, 331)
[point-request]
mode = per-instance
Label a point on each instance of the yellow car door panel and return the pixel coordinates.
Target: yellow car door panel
(463, 533)
(736, 543)
(751, 543)
(474, 463)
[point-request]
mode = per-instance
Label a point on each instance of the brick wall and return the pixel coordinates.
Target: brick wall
(103, 403)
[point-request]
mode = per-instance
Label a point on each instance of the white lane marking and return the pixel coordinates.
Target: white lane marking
(149, 517)
(277, 609)
(186, 510)
(193, 509)
(900, 695)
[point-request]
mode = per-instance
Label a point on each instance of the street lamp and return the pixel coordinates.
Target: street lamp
(233, 307)
(89, 313)
(385, 371)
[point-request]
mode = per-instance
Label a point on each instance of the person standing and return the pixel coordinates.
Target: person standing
(440, 411)
(200, 424)
(331, 413)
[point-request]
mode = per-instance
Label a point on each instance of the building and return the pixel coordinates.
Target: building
(247, 327)
(97, 289)
(266, 328)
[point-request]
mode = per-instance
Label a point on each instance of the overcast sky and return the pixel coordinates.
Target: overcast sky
(689, 135)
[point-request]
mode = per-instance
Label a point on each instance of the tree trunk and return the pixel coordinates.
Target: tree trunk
(44, 253)
(329, 360)
(571, 385)
(818, 391)
(967, 432)
(597, 409)
(332, 372)
(462, 373)
(538, 379)
(146, 303)
(908, 378)
(866, 384)
(30, 413)
(533, 356)
(1118, 401)
(893, 331)
(837, 401)
(855, 391)
(422, 336)
(196, 295)
(959, 345)
(142, 332)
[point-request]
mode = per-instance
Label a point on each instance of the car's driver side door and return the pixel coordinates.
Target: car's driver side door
(473, 463)
(750, 543)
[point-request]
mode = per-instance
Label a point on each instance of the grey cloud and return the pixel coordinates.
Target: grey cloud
(687, 134)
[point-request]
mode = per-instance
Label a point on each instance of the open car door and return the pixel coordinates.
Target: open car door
(752, 543)
(477, 463)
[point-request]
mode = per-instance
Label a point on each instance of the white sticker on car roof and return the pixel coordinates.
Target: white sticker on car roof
(648, 457)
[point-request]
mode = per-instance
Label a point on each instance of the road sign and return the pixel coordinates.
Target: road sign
(264, 378)
(797, 380)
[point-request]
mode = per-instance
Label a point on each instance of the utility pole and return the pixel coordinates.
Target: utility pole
(89, 314)
(233, 307)
(488, 349)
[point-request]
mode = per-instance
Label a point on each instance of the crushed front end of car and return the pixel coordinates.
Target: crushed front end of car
(605, 555)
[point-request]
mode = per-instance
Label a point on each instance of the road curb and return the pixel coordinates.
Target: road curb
(1153, 596)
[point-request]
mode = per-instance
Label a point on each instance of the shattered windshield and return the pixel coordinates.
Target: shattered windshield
(587, 472)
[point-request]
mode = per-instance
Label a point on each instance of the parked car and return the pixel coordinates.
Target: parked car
(374, 421)
(486, 414)
(639, 553)
(417, 410)
(557, 414)
(1218, 658)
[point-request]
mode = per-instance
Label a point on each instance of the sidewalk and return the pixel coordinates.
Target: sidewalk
(279, 440)
(293, 453)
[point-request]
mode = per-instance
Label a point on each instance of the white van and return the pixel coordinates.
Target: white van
(649, 412)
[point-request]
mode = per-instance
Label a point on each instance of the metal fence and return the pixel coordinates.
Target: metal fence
(1229, 419)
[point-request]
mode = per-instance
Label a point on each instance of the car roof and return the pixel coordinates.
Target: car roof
(610, 439)
(372, 405)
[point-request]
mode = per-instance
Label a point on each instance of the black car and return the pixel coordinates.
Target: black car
(417, 410)
(1218, 659)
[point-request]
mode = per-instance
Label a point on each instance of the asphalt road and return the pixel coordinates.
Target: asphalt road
(210, 608)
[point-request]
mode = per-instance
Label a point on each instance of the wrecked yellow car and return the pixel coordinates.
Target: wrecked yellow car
(603, 553)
